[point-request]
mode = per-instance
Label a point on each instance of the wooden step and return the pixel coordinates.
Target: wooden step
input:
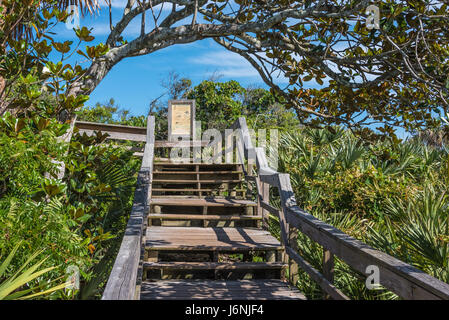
(194, 190)
(201, 164)
(219, 290)
(217, 181)
(202, 217)
(205, 202)
(213, 270)
(197, 172)
(214, 265)
(210, 239)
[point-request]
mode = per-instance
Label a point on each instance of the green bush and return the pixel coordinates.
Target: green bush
(76, 221)
(390, 195)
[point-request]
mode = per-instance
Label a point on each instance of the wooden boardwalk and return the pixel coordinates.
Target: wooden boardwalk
(198, 231)
(219, 290)
(201, 244)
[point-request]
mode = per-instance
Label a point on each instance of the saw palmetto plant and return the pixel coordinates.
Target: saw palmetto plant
(389, 195)
(19, 285)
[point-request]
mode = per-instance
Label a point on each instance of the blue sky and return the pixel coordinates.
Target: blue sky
(134, 82)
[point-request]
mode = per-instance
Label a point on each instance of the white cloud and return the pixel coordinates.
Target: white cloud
(121, 4)
(230, 65)
(102, 28)
(220, 59)
(227, 64)
(115, 4)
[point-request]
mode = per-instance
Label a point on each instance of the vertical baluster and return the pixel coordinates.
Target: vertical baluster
(293, 266)
(328, 268)
(265, 190)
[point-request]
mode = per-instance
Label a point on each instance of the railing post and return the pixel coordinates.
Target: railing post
(265, 190)
(293, 266)
(328, 268)
(249, 172)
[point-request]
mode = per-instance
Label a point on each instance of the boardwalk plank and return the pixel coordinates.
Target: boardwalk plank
(213, 290)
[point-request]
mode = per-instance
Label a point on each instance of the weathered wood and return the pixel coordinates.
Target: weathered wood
(129, 133)
(245, 139)
(123, 279)
(397, 276)
(202, 217)
(197, 172)
(148, 154)
(217, 239)
(179, 144)
(293, 266)
(316, 276)
(203, 289)
(270, 209)
(328, 268)
(270, 256)
(214, 265)
(210, 202)
(115, 132)
(174, 181)
(191, 190)
(152, 256)
(265, 192)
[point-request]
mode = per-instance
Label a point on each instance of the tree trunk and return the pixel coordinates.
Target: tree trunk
(3, 104)
(94, 75)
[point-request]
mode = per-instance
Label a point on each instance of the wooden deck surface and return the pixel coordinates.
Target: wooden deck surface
(209, 202)
(266, 289)
(220, 239)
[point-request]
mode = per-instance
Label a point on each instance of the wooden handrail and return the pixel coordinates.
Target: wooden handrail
(130, 133)
(399, 277)
(122, 282)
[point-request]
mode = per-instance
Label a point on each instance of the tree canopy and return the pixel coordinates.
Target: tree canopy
(339, 69)
(395, 75)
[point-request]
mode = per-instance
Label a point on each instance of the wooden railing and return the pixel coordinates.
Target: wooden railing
(127, 133)
(123, 282)
(401, 278)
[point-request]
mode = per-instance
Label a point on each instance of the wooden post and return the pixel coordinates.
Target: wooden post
(328, 269)
(293, 266)
(271, 256)
(265, 190)
(249, 172)
(198, 183)
(152, 256)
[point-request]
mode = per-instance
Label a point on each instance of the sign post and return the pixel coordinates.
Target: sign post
(181, 119)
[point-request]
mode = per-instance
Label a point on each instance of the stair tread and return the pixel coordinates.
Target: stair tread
(209, 202)
(192, 190)
(203, 217)
(209, 239)
(201, 164)
(167, 181)
(197, 172)
(214, 265)
(219, 289)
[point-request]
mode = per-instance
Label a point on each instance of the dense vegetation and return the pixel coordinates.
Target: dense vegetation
(73, 222)
(74, 219)
(392, 196)
(388, 193)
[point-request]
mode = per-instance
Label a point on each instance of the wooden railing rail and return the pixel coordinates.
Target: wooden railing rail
(128, 133)
(123, 280)
(395, 275)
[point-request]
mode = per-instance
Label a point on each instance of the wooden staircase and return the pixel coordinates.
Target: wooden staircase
(204, 238)
(193, 233)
